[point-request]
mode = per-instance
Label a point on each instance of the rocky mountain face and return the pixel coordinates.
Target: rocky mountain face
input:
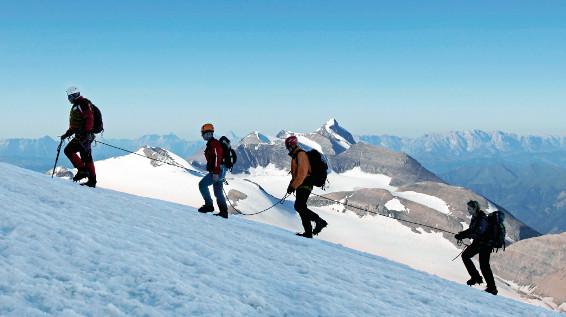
(61, 172)
(375, 200)
(158, 156)
(339, 147)
(539, 263)
(344, 153)
(340, 138)
(526, 174)
(257, 150)
(378, 160)
(457, 197)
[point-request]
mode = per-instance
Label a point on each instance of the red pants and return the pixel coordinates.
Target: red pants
(85, 161)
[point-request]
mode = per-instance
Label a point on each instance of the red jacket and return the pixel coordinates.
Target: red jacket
(81, 118)
(214, 155)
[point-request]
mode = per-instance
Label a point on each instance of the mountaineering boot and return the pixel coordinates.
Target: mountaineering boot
(305, 235)
(223, 214)
(475, 280)
(81, 173)
(321, 224)
(90, 183)
(206, 208)
(491, 290)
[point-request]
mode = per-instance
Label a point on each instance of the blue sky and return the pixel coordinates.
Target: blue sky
(395, 67)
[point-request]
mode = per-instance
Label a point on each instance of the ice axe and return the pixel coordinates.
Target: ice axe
(459, 243)
(57, 157)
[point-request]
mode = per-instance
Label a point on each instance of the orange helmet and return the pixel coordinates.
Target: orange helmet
(207, 127)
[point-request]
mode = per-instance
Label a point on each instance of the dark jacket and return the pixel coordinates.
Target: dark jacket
(81, 117)
(214, 155)
(478, 230)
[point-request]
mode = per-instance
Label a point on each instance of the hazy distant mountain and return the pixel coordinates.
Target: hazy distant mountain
(39, 154)
(35, 154)
(526, 174)
(535, 192)
(436, 149)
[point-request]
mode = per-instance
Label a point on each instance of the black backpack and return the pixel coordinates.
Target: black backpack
(98, 125)
(319, 168)
(229, 155)
(497, 229)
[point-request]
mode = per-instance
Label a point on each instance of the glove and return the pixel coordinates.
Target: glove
(215, 178)
(66, 134)
(458, 236)
(290, 190)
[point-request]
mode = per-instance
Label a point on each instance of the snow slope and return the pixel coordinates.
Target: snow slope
(428, 252)
(68, 251)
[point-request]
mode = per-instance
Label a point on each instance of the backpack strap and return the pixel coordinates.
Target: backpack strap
(234, 158)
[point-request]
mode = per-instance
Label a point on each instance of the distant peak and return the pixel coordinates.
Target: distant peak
(333, 129)
(331, 122)
(283, 134)
(256, 137)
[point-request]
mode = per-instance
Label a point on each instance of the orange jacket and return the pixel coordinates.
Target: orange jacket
(300, 167)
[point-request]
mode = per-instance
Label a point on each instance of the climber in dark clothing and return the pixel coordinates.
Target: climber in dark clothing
(478, 232)
(81, 124)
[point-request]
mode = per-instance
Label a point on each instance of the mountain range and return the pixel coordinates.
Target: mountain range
(39, 154)
(526, 174)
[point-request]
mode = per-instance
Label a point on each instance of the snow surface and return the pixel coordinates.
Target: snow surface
(395, 204)
(310, 144)
(67, 250)
(425, 200)
(380, 236)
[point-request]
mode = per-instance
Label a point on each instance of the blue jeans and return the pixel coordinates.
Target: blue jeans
(218, 187)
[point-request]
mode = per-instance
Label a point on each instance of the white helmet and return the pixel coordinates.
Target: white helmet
(73, 90)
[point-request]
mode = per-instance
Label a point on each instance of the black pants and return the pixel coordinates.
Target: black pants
(307, 215)
(484, 252)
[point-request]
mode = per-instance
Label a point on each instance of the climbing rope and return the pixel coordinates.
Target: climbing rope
(150, 158)
(280, 201)
(383, 215)
(359, 208)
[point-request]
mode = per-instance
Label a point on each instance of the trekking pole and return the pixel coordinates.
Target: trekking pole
(57, 157)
